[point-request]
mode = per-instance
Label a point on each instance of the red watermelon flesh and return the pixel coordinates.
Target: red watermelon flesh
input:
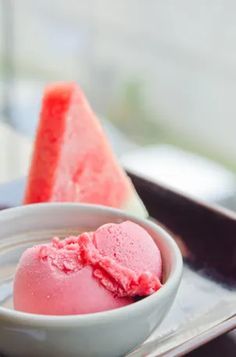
(72, 160)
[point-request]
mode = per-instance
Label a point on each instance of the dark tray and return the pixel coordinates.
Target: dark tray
(206, 235)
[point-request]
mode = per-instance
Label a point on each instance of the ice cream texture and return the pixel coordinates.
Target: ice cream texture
(91, 272)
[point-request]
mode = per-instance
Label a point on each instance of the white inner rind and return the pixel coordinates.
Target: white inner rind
(135, 206)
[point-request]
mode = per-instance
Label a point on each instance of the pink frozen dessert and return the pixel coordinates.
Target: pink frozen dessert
(92, 272)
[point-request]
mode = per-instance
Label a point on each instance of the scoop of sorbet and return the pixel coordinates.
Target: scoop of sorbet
(92, 272)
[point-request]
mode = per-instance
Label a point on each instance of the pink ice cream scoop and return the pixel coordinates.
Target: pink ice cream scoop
(92, 272)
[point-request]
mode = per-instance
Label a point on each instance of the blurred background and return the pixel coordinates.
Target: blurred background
(161, 72)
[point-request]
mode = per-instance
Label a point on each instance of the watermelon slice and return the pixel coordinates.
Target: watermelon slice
(72, 160)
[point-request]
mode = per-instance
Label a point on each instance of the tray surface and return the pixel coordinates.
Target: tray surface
(206, 301)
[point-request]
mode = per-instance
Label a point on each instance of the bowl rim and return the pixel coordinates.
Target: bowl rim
(57, 321)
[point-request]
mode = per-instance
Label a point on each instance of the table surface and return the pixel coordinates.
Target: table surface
(15, 150)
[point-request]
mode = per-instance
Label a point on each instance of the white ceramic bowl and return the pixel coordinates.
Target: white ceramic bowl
(109, 333)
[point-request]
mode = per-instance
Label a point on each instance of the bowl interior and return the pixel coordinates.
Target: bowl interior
(26, 226)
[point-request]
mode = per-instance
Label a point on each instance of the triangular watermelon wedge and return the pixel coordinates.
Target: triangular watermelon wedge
(72, 160)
